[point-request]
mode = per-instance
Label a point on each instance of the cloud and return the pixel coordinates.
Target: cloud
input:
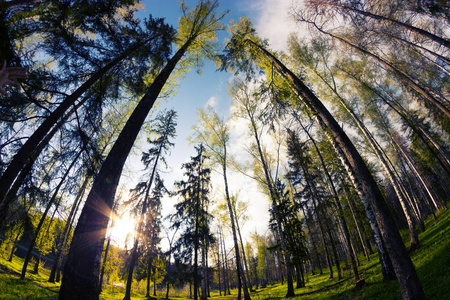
(273, 22)
(212, 101)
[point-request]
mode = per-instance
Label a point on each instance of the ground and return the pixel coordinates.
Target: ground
(432, 261)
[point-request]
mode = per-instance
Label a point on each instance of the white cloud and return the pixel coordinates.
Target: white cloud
(212, 101)
(273, 22)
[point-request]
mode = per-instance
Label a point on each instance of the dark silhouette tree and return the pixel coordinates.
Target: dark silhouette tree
(191, 214)
(197, 29)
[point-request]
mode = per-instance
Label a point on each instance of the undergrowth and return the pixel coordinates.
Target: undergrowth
(432, 262)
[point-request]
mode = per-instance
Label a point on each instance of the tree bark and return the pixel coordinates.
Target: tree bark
(81, 271)
(274, 196)
(408, 280)
(240, 272)
(346, 233)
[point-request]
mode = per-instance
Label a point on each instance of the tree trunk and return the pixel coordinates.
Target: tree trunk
(413, 29)
(313, 244)
(134, 254)
(65, 232)
(363, 245)
(44, 215)
(426, 94)
(384, 162)
(322, 236)
(243, 256)
(36, 264)
(28, 149)
(105, 257)
(273, 196)
(149, 274)
(240, 272)
(18, 3)
(408, 280)
(338, 205)
(218, 269)
(204, 294)
(225, 267)
(80, 279)
(12, 192)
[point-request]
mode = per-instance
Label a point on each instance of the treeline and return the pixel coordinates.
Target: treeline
(348, 134)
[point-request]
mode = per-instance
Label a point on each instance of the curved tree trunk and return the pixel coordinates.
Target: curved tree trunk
(428, 95)
(384, 162)
(80, 280)
(12, 192)
(29, 148)
(408, 280)
(240, 271)
(44, 215)
(433, 37)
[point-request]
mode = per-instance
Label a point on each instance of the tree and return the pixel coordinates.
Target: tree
(336, 5)
(164, 130)
(197, 29)
(213, 131)
(248, 109)
(156, 36)
(191, 213)
(245, 47)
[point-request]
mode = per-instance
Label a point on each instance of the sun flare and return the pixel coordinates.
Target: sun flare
(123, 227)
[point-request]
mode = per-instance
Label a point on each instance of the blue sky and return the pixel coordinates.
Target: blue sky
(270, 18)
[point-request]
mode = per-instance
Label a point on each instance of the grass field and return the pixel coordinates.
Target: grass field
(432, 261)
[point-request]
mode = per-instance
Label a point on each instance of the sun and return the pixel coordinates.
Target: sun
(124, 226)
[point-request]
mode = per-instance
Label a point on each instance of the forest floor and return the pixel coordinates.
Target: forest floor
(432, 261)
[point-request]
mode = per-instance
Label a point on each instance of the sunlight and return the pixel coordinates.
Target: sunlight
(124, 226)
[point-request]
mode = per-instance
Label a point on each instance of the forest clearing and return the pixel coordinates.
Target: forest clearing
(199, 149)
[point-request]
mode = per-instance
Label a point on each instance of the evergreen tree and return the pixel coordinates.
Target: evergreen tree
(192, 217)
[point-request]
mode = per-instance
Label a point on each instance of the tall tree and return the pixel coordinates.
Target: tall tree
(214, 132)
(191, 212)
(245, 49)
(197, 29)
(157, 37)
(247, 107)
(164, 129)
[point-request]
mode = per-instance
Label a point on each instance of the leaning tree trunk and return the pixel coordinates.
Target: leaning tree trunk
(428, 95)
(44, 215)
(273, 196)
(81, 271)
(65, 232)
(412, 29)
(384, 162)
(408, 280)
(12, 192)
(240, 272)
(345, 230)
(29, 148)
(423, 134)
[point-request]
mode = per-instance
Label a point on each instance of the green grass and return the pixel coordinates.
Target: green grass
(432, 261)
